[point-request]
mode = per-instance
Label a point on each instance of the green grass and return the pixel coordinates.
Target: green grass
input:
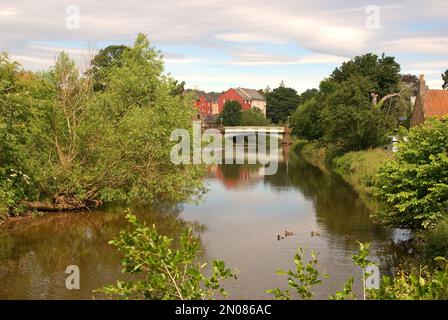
(316, 155)
(358, 168)
(436, 241)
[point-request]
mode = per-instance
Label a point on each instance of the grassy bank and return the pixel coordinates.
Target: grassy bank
(315, 154)
(356, 168)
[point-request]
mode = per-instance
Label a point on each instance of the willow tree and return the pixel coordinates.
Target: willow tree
(79, 146)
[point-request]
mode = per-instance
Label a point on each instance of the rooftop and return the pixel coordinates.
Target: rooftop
(435, 103)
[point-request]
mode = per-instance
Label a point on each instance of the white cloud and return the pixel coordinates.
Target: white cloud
(32, 59)
(329, 30)
(435, 45)
(8, 12)
(257, 58)
(300, 82)
(248, 37)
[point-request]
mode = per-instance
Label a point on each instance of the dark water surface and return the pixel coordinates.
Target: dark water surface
(243, 213)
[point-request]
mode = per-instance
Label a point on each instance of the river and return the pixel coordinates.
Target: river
(241, 215)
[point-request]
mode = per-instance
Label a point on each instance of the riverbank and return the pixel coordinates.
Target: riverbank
(358, 170)
(355, 168)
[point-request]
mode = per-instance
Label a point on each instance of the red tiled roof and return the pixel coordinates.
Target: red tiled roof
(435, 103)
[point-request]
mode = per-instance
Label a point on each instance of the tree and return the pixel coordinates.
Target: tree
(78, 146)
(254, 117)
(356, 107)
(18, 102)
(305, 120)
(414, 184)
(348, 119)
(411, 81)
(383, 72)
(307, 95)
(231, 113)
(103, 61)
(445, 80)
(281, 102)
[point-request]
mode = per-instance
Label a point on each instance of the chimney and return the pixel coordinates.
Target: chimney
(422, 85)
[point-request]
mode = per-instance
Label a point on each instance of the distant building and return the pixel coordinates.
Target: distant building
(207, 107)
(248, 98)
(213, 98)
(429, 103)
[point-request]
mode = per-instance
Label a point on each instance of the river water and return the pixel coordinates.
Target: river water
(241, 216)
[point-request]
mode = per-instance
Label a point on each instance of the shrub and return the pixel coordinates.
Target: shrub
(414, 184)
(164, 272)
(418, 284)
(254, 117)
(436, 241)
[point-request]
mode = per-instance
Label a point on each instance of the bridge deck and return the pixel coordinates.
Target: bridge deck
(254, 129)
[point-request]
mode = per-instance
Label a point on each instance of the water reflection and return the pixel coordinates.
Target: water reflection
(34, 254)
(243, 212)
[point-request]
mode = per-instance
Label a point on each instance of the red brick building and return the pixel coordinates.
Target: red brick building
(248, 98)
(206, 103)
(429, 103)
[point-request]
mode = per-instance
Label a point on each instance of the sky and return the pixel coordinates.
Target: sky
(214, 45)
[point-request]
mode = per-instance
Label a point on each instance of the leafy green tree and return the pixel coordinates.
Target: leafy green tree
(79, 146)
(103, 61)
(362, 102)
(22, 95)
(348, 119)
(414, 184)
(411, 81)
(383, 72)
(307, 95)
(357, 107)
(445, 80)
(231, 113)
(281, 103)
(305, 120)
(254, 117)
(167, 272)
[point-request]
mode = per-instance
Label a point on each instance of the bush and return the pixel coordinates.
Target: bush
(164, 272)
(254, 117)
(414, 184)
(417, 284)
(436, 241)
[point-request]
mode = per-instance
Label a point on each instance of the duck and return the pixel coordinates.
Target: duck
(288, 233)
(315, 233)
(278, 237)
